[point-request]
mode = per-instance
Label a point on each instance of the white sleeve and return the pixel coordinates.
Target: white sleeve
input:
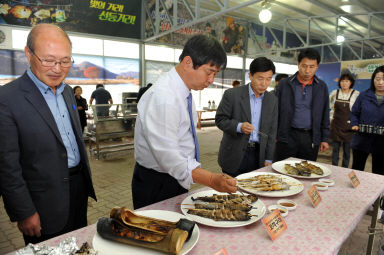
(162, 118)
(353, 99)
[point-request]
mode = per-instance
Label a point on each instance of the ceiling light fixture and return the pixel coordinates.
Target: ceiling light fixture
(340, 39)
(265, 14)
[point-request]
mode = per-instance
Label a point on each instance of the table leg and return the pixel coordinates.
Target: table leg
(371, 238)
(199, 120)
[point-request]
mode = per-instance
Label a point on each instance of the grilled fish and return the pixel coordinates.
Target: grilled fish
(234, 198)
(225, 205)
(221, 214)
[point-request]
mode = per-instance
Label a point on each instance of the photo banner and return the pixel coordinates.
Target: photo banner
(363, 69)
(104, 17)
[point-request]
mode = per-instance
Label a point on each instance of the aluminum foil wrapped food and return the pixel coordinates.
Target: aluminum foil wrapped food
(66, 247)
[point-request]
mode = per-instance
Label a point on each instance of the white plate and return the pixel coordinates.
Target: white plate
(107, 247)
(259, 210)
(295, 188)
(279, 167)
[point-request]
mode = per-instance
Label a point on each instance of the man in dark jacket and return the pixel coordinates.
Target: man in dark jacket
(45, 177)
(303, 111)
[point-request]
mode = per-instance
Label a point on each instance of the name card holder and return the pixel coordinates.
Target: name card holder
(221, 252)
(314, 196)
(275, 224)
(354, 180)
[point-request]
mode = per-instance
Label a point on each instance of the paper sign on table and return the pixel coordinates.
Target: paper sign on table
(355, 181)
(222, 252)
(275, 224)
(314, 196)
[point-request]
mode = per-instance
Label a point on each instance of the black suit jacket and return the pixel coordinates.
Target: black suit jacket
(234, 108)
(34, 172)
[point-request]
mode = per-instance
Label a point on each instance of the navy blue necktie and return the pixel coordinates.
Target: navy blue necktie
(197, 151)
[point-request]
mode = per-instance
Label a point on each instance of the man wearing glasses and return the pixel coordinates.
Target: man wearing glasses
(45, 177)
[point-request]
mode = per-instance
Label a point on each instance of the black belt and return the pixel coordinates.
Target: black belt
(253, 144)
(302, 129)
(75, 170)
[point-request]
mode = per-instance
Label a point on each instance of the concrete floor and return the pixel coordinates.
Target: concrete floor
(112, 182)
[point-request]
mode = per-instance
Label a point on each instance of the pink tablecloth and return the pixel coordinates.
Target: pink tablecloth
(320, 230)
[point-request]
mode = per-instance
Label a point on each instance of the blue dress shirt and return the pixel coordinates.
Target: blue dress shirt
(60, 113)
(256, 104)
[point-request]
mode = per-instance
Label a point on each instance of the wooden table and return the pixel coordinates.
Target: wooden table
(200, 119)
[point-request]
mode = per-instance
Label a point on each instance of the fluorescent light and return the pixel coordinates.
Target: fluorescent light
(265, 15)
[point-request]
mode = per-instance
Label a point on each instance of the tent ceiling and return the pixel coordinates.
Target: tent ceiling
(360, 21)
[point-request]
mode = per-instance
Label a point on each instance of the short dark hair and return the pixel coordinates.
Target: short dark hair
(280, 76)
(261, 64)
(204, 50)
(235, 82)
(347, 76)
(377, 70)
(76, 87)
(99, 86)
(309, 53)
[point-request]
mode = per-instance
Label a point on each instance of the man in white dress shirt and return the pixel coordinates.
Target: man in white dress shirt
(166, 149)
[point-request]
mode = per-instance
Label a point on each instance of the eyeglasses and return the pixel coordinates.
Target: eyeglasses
(52, 62)
(378, 79)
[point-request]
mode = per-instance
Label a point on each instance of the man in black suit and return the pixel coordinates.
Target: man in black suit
(45, 177)
(247, 115)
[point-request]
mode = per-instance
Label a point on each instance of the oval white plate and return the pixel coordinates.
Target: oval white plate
(107, 247)
(295, 188)
(258, 210)
(279, 167)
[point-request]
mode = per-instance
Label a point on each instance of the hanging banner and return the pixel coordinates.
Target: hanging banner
(105, 17)
(363, 69)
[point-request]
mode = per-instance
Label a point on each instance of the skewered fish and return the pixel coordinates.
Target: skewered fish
(265, 178)
(266, 182)
(221, 214)
(234, 198)
(268, 187)
(225, 205)
(314, 169)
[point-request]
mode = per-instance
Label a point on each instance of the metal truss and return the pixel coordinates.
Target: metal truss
(362, 39)
(356, 42)
(195, 14)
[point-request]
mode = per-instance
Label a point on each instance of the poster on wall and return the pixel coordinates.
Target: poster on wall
(232, 33)
(362, 69)
(85, 70)
(105, 17)
(5, 37)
